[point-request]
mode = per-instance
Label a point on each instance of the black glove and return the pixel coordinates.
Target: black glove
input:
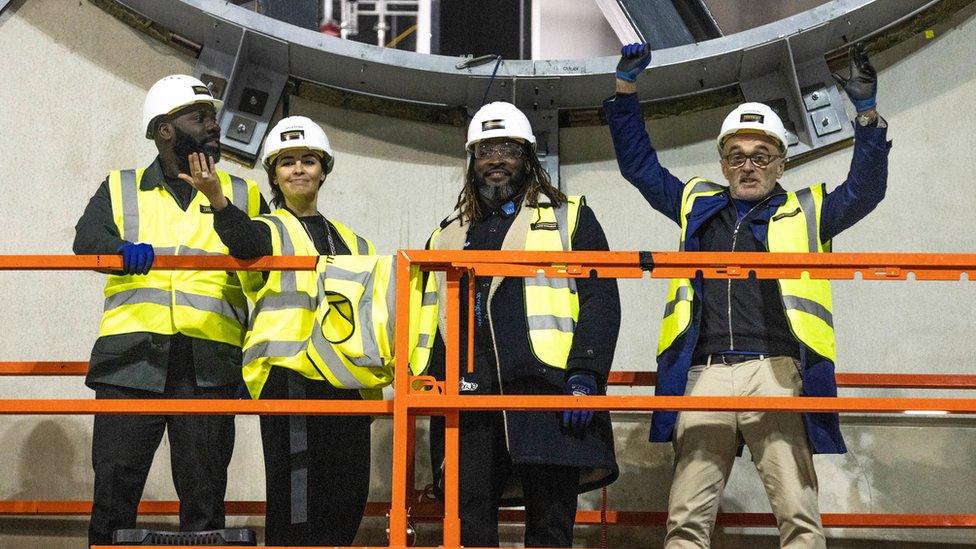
(862, 86)
(634, 58)
(575, 422)
(137, 258)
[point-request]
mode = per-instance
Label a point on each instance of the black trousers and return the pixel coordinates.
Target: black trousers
(485, 467)
(316, 467)
(123, 447)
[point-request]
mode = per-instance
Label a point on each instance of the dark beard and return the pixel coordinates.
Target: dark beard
(498, 195)
(185, 144)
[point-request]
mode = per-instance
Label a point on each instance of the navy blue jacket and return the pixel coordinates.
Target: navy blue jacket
(847, 204)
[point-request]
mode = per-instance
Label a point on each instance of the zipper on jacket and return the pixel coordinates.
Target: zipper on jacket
(735, 236)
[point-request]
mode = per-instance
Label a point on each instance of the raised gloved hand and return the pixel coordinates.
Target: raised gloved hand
(862, 85)
(576, 421)
(634, 58)
(137, 258)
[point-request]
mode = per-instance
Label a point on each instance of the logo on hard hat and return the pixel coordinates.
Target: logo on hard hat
(751, 117)
(293, 135)
(202, 90)
(492, 125)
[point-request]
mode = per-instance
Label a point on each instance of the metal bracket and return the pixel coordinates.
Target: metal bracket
(248, 71)
(801, 91)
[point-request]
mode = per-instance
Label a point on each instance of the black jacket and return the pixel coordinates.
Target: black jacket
(536, 437)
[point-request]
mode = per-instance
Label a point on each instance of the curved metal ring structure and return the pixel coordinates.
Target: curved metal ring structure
(249, 58)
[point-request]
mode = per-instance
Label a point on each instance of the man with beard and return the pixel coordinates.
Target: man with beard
(532, 336)
(742, 337)
(165, 334)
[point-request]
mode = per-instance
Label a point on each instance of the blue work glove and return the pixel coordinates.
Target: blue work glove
(634, 58)
(862, 85)
(136, 258)
(576, 421)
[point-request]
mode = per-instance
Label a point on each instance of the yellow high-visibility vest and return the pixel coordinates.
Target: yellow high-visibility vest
(352, 341)
(551, 304)
(794, 227)
(202, 304)
(285, 302)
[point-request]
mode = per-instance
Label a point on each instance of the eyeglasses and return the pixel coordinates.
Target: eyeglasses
(759, 160)
(508, 149)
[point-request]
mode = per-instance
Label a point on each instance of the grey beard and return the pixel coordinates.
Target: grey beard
(497, 195)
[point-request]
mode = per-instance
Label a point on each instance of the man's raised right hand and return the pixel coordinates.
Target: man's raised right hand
(634, 58)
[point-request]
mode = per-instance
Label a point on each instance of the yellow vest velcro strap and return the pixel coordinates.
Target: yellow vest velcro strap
(683, 293)
(211, 305)
(807, 203)
(282, 349)
(550, 322)
(810, 307)
(138, 295)
(130, 206)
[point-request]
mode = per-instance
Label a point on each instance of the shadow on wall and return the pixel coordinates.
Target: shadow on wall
(898, 472)
(53, 457)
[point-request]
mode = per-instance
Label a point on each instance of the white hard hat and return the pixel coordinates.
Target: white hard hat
(755, 118)
(297, 132)
(171, 94)
(499, 119)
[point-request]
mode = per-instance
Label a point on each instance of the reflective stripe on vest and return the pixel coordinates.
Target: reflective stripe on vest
(794, 227)
(285, 302)
(203, 304)
(551, 304)
(677, 310)
(351, 343)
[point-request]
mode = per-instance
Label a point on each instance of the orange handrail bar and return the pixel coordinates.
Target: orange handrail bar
(869, 266)
(193, 407)
(409, 403)
(433, 512)
(445, 399)
(629, 379)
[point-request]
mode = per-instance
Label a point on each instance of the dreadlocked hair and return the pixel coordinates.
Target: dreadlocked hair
(537, 181)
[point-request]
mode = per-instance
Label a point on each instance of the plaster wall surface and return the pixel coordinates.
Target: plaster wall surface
(73, 80)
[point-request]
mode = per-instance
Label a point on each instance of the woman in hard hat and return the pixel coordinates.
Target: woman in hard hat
(317, 467)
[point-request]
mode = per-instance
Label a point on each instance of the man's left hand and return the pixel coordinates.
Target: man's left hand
(862, 85)
(575, 422)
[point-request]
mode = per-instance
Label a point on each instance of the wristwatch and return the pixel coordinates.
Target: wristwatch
(866, 119)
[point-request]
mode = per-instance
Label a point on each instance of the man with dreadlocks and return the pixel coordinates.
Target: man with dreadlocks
(532, 336)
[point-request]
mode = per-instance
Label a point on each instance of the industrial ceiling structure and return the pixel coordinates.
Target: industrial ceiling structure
(248, 58)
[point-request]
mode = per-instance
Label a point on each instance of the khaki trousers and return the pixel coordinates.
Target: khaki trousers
(705, 444)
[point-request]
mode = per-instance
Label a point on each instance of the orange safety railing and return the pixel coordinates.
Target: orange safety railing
(411, 400)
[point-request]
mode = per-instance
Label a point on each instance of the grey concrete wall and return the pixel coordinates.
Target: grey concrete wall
(73, 81)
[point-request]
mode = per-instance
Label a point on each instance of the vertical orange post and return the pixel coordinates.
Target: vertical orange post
(401, 411)
(452, 342)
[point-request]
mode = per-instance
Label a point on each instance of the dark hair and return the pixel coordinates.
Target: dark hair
(537, 181)
(277, 197)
